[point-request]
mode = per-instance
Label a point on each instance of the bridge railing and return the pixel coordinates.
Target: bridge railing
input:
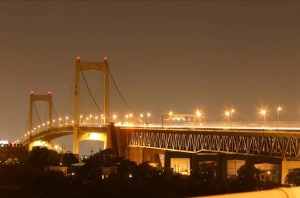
(44, 128)
(283, 125)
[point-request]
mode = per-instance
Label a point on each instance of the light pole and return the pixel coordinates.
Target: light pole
(198, 115)
(142, 118)
(165, 115)
(231, 113)
(171, 115)
(278, 111)
(80, 117)
(227, 114)
(59, 120)
(67, 118)
(115, 118)
(148, 116)
(263, 113)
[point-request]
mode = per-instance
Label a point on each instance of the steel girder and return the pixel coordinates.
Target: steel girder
(264, 145)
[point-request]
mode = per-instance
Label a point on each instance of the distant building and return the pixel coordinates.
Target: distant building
(108, 170)
(12, 151)
(62, 169)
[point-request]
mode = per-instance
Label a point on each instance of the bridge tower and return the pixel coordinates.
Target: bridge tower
(80, 67)
(35, 98)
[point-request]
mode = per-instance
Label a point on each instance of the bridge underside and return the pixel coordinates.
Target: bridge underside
(44, 138)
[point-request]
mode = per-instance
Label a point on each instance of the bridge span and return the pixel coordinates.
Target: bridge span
(262, 142)
(281, 147)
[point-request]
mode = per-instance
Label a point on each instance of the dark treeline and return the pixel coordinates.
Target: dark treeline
(30, 178)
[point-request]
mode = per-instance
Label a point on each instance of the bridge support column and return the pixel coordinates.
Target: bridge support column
(135, 154)
(79, 68)
(222, 168)
(35, 98)
(286, 166)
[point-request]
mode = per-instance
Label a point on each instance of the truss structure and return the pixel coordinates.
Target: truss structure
(284, 145)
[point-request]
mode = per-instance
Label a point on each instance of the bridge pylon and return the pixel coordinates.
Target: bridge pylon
(35, 98)
(80, 67)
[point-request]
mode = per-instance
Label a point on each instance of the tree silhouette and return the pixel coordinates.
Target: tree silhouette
(68, 159)
(41, 157)
(247, 176)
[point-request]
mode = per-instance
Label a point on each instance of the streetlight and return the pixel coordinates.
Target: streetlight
(102, 119)
(198, 115)
(96, 119)
(263, 113)
(59, 119)
(115, 117)
(142, 117)
(87, 120)
(80, 117)
(278, 111)
(227, 114)
(148, 116)
(67, 118)
(91, 120)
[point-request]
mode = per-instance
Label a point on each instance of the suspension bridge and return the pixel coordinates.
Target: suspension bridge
(135, 137)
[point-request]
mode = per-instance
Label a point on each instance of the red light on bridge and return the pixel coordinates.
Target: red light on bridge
(31, 92)
(49, 92)
(78, 58)
(105, 58)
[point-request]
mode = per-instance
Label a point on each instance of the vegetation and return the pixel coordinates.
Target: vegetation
(29, 178)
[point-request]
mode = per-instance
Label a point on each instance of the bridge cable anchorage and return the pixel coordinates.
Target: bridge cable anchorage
(118, 90)
(37, 113)
(90, 92)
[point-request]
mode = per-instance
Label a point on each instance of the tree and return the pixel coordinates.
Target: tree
(247, 176)
(92, 165)
(41, 157)
(293, 177)
(68, 159)
(207, 172)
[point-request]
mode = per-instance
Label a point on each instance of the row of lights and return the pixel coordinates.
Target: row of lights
(87, 118)
(228, 113)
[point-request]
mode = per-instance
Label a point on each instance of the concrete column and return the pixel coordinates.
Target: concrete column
(222, 168)
(284, 171)
(135, 154)
(286, 166)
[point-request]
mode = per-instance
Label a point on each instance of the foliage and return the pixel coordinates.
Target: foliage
(247, 177)
(68, 159)
(41, 157)
(293, 177)
(132, 180)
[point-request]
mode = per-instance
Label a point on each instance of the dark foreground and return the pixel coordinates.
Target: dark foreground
(30, 178)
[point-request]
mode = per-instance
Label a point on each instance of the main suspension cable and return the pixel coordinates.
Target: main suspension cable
(54, 110)
(37, 113)
(118, 90)
(87, 86)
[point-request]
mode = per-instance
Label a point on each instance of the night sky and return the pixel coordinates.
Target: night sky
(164, 55)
